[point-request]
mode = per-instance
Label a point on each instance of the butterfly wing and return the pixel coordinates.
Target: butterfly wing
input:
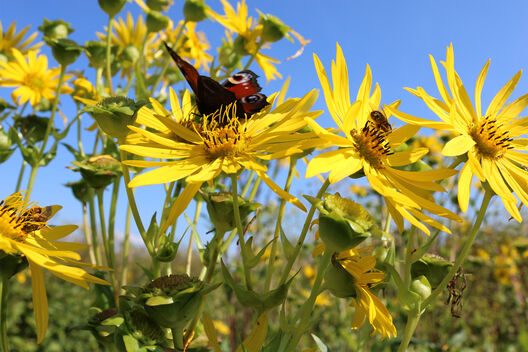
(243, 84)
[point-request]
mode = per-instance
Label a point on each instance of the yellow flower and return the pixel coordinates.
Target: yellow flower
(32, 77)
(192, 45)
(220, 143)
(239, 22)
(24, 231)
(11, 40)
(358, 263)
(368, 147)
(490, 140)
(132, 34)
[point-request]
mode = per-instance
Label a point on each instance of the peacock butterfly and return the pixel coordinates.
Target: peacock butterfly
(241, 88)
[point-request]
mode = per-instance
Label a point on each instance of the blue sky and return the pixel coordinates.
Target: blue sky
(393, 37)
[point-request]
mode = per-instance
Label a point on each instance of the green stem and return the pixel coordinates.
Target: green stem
(274, 245)
(308, 306)
(240, 230)
(133, 205)
(177, 338)
(188, 261)
(4, 288)
(408, 257)
(111, 221)
(93, 231)
(88, 238)
(126, 248)
(79, 132)
(465, 250)
(106, 243)
(412, 321)
(302, 236)
(108, 47)
(20, 175)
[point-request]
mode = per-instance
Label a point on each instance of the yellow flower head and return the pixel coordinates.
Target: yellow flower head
(132, 33)
(360, 264)
(247, 28)
(24, 231)
(367, 146)
(31, 76)
(11, 40)
(191, 45)
(220, 143)
(491, 140)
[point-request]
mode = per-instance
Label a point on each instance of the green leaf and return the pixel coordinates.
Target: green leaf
(320, 344)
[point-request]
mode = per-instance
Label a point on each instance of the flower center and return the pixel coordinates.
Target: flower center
(223, 134)
(16, 224)
(35, 81)
(371, 144)
(491, 139)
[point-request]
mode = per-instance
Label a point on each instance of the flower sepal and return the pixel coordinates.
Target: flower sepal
(98, 171)
(172, 301)
(64, 50)
(343, 223)
(339, 281)
(220, 209)
(54, 30)
(273, 29)
(249, 298)
(111, 7)
(114, 114)
(194, 10)
(433, 267)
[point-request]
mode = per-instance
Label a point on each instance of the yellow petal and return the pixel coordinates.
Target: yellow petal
(458, 145)
(40, 300)
(255, 340)
(210, 332)
(464, 187)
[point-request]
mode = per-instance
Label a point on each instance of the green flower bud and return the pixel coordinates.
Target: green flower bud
(111, 7)
(81, 191)
(6, 146)
(343, 223)
(156, 21)
(433, 267)
(159, 5)
(96, 53)
(421, 286)
(114, 114)
(194, 10)
(172, 301)
(249, 298)
(102, 326)
(130, 54)
(65, 51)
(220, 209)
(227, 55)
(273, 29)
(55, 30)
(32, 127)
(339, 281)
(143, 328)
(98, 171)
(167, 250)
(240, 46)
